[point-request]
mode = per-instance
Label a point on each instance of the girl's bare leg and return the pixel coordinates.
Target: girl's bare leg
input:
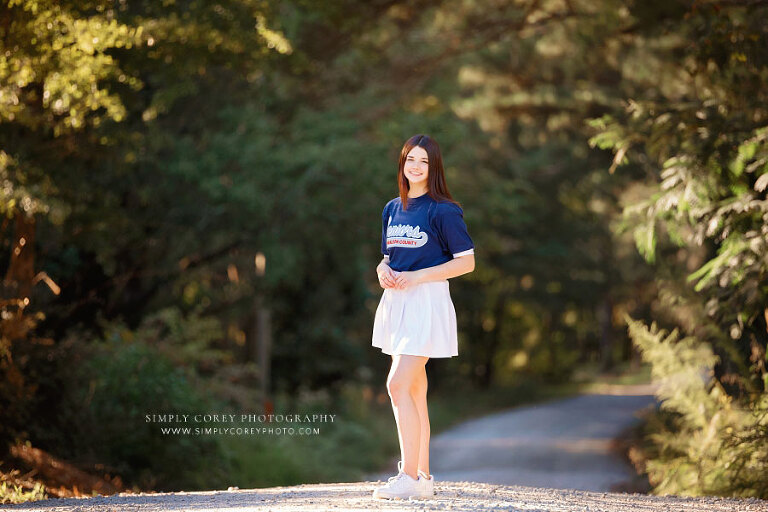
(419, 394)
(400, 382)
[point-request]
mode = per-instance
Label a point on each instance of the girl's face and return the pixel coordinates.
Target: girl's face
(416, 167)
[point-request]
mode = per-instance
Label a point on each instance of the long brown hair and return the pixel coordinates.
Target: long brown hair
(437, 188)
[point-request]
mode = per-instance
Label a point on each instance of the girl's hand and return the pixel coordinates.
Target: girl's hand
(406, 279)
(386, 276)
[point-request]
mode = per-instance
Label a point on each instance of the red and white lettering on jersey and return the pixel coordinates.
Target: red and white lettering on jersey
(405, 235)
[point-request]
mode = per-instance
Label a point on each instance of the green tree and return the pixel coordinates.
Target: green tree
(702, 142)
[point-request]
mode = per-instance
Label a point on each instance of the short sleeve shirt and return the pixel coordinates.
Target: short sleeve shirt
(428, 233)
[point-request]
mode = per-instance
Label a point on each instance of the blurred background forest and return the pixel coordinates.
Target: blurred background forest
(169, 168)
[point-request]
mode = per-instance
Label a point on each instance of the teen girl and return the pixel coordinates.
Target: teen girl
(425, 242)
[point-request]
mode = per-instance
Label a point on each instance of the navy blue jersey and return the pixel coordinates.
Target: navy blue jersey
(428, 233)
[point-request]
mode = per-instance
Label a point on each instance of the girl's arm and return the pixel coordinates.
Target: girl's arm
(456, 267)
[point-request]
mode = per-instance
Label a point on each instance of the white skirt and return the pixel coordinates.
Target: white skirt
(418, 321)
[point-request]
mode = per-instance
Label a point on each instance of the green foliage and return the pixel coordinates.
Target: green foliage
(236, 142)
(197, 344)
(65, 51)
(704, 148)
(10, 493)
(120, 382)
(696, 200)
(712, 444)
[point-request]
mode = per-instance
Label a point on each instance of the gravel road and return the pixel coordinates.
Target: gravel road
(562, 444)
(453, 496)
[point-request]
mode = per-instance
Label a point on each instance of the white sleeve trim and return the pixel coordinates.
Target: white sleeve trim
(464, 253)
(386, 257)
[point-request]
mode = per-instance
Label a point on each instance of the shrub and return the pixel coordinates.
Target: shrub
(704, 442)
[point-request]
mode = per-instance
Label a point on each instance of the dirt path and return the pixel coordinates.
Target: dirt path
(563, 444)
(452, 496)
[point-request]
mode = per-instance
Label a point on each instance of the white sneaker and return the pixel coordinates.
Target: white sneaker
(427, 484)
(400, 486)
